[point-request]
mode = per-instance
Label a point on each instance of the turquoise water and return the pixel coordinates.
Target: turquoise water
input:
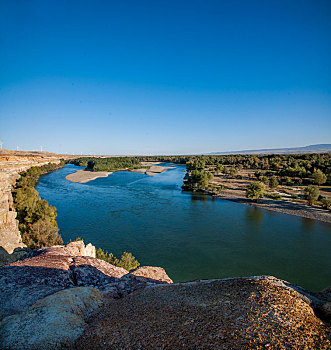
(191, 236)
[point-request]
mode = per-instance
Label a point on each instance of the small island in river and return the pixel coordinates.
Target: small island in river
(85, 175)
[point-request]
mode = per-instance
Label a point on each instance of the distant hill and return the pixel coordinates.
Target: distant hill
(321, 148)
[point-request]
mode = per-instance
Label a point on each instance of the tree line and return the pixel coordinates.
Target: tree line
(37, 219)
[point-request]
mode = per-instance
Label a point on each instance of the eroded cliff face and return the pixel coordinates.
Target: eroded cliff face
(11, 165)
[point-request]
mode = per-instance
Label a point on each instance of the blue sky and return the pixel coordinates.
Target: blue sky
(164, 77)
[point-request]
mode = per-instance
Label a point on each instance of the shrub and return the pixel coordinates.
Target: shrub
(273, 182)
(108, 257)
(311, 193)
(265, 179)
(319, 177)
(326, 203)
(255, 190)
(127, 261)
(276, 196)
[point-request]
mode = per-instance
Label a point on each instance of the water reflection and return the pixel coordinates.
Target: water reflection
(199, 197)
(307, 224)
(254, 215)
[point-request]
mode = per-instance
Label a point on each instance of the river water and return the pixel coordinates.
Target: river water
(192, 236)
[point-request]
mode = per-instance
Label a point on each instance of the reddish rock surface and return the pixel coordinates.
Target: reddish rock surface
(238, 313)
(144, 310)
(152, 272)
(48, 270)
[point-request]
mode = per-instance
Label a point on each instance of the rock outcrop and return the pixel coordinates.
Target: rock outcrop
(234, 313)
(59, 297)
(46, 296)
(45, 309)
(53, 322)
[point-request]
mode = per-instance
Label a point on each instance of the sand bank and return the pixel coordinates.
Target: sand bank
(153, 170)
(82, 176)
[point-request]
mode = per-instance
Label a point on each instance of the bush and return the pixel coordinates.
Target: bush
(128, 261)
(311, 193)
(41, 234)
(273, 182)
(265, 179)
(108, 257)
(326, 203)
(255, 190)
(276, 196)
(294, 196)
(319, 177)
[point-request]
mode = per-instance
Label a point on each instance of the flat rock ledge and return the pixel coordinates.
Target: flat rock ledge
(62, 297)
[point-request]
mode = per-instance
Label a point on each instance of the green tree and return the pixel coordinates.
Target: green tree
(265, 179)
(108, 257)
(319, 177)
(219, 168)
(37, 219)
(258, 174)
(41, 234)
(273, 182)
(311, 194)
(128, 261)
(326, 203)
(255, 190)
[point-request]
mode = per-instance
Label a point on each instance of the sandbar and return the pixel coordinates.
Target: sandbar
(82, 176)
(153, 170)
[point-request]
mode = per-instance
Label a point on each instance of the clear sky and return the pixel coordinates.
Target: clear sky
(164, 77)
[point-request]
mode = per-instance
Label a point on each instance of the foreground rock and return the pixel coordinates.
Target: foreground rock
(63, 297)
(238, 313)
(51, 323)
(49, 270)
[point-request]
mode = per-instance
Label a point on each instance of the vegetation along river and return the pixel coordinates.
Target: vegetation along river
(192, 236)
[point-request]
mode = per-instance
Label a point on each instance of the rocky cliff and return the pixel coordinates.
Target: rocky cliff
(63, 297)
(11, 164)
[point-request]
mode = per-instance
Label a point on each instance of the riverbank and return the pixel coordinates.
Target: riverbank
(281, 206)
(290, 199)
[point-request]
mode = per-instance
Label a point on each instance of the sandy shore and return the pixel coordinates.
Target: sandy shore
(153, 170)
(286, 207)
(82, 176)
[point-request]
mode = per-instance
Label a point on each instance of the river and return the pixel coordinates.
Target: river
(192, 236)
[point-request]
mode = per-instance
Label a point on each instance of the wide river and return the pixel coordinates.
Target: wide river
(192, 236)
